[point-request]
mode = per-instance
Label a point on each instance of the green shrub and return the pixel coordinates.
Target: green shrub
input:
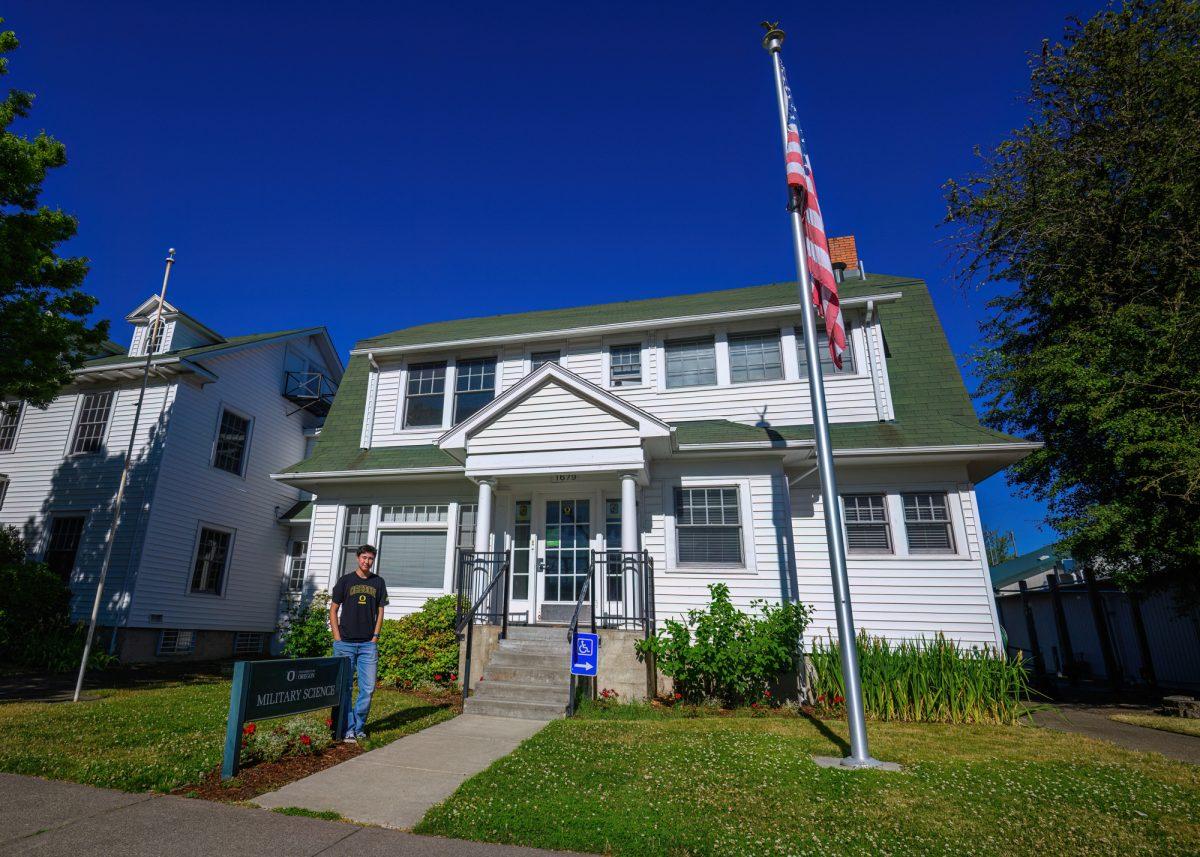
(934, 681)
(36, 631)
(725, 654)
(421, 648)
(271, 740)
(304, 630)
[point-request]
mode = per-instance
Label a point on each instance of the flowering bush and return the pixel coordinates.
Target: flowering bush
(421, 648)
(725, 654)
(304, 735)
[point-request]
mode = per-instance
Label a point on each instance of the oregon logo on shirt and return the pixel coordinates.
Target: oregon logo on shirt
(362, 599)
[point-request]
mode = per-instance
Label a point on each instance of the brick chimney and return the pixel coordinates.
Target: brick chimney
(843, 254)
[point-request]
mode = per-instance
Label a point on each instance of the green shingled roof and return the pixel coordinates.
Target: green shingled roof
(930, 401)
(199, 351)
(1026, 566)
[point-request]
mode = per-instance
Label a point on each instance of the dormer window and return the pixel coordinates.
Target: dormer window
(154, 337)
(540, 358)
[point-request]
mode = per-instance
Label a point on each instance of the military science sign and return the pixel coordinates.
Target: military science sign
(265, 689)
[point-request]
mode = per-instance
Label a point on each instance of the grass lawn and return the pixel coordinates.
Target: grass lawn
(158, 737)
(643, 782)
(1182, 725)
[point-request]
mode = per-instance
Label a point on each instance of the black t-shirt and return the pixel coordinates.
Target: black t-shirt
(360, 599)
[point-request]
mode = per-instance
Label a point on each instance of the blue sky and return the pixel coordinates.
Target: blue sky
(385, 164)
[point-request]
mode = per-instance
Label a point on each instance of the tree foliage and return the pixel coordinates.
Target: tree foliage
(43, 311)
(1000, 547)
(1086, 224)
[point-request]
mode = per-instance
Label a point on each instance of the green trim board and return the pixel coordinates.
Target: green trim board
(931, 403)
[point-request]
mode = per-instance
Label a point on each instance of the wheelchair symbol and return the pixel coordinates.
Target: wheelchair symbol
(583, 648)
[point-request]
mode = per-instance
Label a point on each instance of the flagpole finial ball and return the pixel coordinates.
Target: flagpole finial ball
(773, 40)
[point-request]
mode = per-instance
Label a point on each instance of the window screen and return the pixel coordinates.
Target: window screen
(755, 357)
(867, 524)
(927, 523)
(625, 365)
(691, 362)
(232, 439)
(93, 420)
(827, 366)
(707, 526)
(474, 385)
(426, 394)
(212, 556)
(413, 558)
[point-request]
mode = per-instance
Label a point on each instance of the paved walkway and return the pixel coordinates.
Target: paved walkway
(42, 817)
(396, 785)
(1094, 722)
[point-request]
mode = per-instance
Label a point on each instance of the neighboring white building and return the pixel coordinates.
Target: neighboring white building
(679, 426)
(202, 550)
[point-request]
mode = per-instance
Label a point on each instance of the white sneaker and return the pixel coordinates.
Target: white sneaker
(350, 739)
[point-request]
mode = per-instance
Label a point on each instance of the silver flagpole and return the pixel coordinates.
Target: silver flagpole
(156, 325)
(860, 756)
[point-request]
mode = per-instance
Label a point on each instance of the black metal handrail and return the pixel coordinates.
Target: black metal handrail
(467, 617)
(624, 595)
(572, 630)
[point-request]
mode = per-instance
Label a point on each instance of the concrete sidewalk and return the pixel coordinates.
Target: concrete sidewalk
(44, 817)
(396, 785)
(1094, 722)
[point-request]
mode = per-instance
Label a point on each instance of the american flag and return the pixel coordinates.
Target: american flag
(824, 285)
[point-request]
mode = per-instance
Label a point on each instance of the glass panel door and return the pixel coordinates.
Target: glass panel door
(567, 549)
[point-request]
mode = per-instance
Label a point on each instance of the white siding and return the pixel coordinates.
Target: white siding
(45, 480)
(191, 491)
(183, 336)
(553, 419)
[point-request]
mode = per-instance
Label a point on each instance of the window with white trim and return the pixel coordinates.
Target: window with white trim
(10, 421)
(417, 513)
(94, 412)
(466, 526)
(297, 566)
(212, 560)
(354, 534)
(248, 642)
(426, 395)
(691, 362)
(927, 523)
(172, 641)
(154, 337)
(233, 440)
(827, 367)
(867, 523)
(413, 559)
(708, 526)
(66, 534)
(755, 357)
(625, 365)
(540, 358)
(474, 386)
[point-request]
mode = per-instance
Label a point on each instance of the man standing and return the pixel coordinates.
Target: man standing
(361, 595)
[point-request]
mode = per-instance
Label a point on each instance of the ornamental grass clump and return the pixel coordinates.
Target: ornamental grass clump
(934, 681)
(725, 654)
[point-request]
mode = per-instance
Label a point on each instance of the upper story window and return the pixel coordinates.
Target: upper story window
(691, 362)
(867, 523)
(233, 439)
(540, 358)
(474, 386)
(426, 395)
(94, 411)
(708, 529)
(154, 337)
(827, 367)
(755, 357)
(927, 523)
(10, 421)
(625, 365)
(212, 560)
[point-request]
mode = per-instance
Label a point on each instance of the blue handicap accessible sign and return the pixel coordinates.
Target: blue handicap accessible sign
(585, 654)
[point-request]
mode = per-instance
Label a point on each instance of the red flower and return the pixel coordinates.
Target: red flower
(249, 728)
(820, 697)
(453, 676)
(767, 694)
(838, 700)
(678, 695)
(329, 722)
(754, 705)
(305, 740)
(437, 676)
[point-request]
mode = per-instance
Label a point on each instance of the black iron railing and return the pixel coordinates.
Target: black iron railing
(313, 391)
(572, 630)
(481, 592)
(624, 590)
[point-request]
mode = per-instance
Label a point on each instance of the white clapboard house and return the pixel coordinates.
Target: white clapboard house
(202, 551)
(654, 447)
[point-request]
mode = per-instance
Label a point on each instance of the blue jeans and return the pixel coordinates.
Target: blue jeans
(363, 659)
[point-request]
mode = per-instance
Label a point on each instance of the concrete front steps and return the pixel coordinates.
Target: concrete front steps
(526, 677)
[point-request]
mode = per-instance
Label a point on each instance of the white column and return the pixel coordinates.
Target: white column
(483, 516)
(629, 518)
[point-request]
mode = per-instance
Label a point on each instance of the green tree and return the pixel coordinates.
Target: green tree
(1000, 547)
(43, 311)
(1086, 224)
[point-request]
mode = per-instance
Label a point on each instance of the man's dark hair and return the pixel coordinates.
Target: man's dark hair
(362, 549)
